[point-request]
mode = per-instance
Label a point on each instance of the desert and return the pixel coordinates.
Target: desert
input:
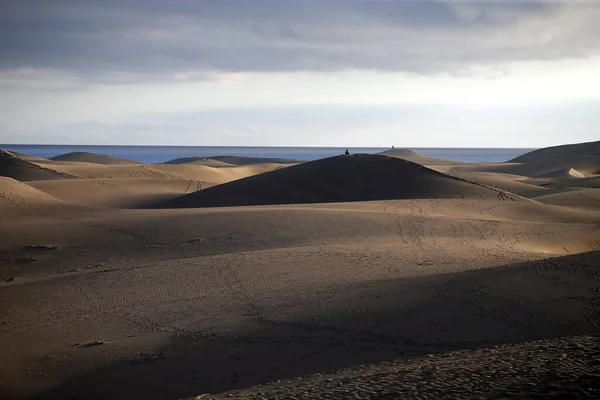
(390, 275)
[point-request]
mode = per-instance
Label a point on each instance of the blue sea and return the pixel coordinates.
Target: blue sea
(159, 154)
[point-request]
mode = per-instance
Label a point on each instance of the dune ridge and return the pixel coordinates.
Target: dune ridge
(224, 161)
(354, 276)
(93, 158)
(209, 162)
(562, 151)
(341, 179)
(17, 168)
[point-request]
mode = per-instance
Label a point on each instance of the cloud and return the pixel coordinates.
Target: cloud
(408, 126)
(133, 40)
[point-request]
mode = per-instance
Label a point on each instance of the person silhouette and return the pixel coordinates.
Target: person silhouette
(347, 152)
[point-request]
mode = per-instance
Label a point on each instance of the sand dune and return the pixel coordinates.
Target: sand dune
(450, 375)
(118, 192)
(289, 293)
(586, 166)
(28, 157)
(134, 186)
(583, 198)
(564, 184)
(17, 197)
(162, 171)
(415, 157)
(237, 160)
(209, 162)
(340, 179)
(22, 170)
(508, 182)
(93, 158)
(560, 152)
(455, 289)
(224, 161)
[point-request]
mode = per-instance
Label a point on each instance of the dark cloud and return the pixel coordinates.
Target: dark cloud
(146, 38)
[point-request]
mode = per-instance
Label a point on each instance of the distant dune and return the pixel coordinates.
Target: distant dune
(209, 162)
(583, 198)
(570, 167)
(565, 151)
(28, 157)
(119, 284)
(93, 158)
(587, 166)
(236, 160)
(339, 179)
(161, 171)
(23, 170)
(419, 158)
(401, 153)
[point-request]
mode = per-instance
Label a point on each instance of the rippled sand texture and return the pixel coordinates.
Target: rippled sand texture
(369, 276)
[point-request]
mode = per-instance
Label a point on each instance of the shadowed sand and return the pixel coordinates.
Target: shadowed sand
(579, 150)
(102, 181)
(224, 161)
(441, 283)
(93, 158)
(358, 177)
(20, 169)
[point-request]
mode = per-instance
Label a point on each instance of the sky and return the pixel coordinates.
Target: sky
(344, 73)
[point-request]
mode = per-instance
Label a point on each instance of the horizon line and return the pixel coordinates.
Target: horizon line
(271, 146)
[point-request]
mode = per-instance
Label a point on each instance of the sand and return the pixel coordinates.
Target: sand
(20, 169)
(93, 158)
(350, 277)
(224, 161)
(341, 179)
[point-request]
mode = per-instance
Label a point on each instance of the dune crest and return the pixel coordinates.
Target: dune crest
(93, 158)
(561, 152)
(229, 161)
(341, 179)
(118, 284)
(17, 168)
(209, 162)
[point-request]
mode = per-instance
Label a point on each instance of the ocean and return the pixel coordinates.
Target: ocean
(159, 154)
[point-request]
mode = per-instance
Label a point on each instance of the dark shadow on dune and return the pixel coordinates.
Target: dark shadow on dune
(20, 169)
(360, 177)
(93, 158)
(363, 323)
(557, 152)
(235, 160)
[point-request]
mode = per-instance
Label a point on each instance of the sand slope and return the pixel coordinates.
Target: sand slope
(93, 158)
(22, 170)
(340, 179)
(119, 192)
(555, 373)
(209, 162)
(162, 171)
(237, 160)
(419, 158)
(28, 157)
(222, 161)
(584, 198)
(17, 197)
(454, 287)
(556, 168)
(560, 152)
